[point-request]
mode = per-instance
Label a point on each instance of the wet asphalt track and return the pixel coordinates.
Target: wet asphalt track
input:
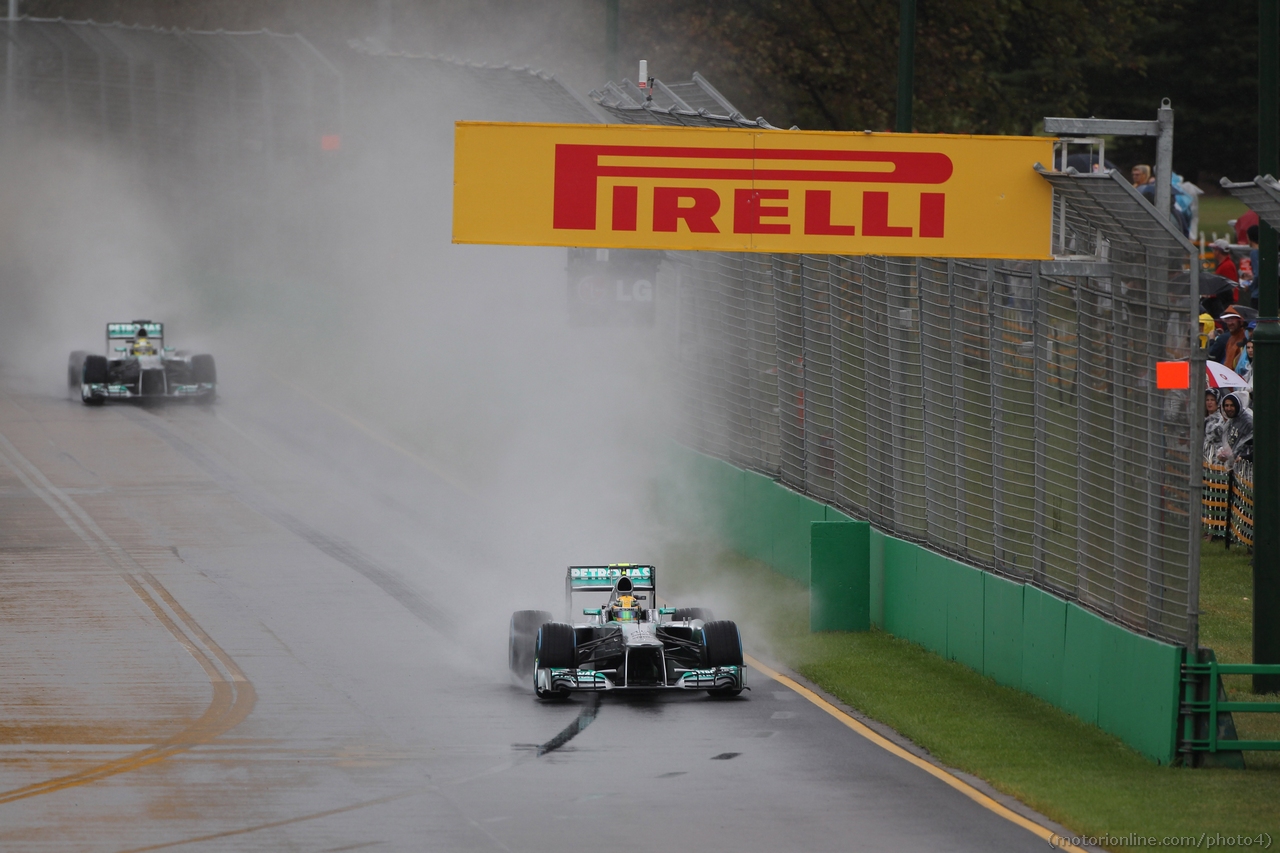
(215, 634)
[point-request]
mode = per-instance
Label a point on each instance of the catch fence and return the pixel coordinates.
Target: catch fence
(1002, 412)
(233, 132)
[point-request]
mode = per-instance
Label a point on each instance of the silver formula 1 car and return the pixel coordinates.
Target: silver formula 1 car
(139, 365)
(628, 643)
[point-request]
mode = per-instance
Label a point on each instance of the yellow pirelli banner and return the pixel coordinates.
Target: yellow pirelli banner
(623, 186)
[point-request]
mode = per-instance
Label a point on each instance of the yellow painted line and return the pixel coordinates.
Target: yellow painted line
(937, 772)
(232, 701)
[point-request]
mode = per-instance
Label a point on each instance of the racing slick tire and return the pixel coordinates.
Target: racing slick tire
(556, 647)
(94, 372)
(203, 369)
(523, 636)
(75, 370)
(722, 646)
(684, 614)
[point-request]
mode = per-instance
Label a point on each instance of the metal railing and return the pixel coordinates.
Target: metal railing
(1206, 705)
(1227, 501)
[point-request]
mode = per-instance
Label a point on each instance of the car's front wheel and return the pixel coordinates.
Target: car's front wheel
(722, 646)
(93, 372)
(75, 370)
(556, 648)
(523, 637)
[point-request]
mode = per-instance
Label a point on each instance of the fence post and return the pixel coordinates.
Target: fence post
(1038, 429)
(997, 426)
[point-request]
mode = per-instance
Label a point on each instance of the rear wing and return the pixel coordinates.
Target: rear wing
(129, 331)
(118, 333)
(602, 579)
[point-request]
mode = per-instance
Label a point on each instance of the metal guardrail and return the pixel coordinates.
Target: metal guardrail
(1210, 674)
(1227, 502)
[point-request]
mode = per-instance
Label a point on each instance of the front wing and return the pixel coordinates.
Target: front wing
(112, 391)
(554, 679)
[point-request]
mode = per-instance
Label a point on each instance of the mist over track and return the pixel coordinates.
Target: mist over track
(256, 627)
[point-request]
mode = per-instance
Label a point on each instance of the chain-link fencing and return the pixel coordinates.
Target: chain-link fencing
(1005, 413)
(233, 132)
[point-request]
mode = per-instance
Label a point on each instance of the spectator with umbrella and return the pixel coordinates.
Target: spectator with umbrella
(1216, 293)
(1222, 263)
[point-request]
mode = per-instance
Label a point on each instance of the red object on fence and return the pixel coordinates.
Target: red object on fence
(1172, 375)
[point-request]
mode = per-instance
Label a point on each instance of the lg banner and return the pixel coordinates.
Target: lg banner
(622, 186)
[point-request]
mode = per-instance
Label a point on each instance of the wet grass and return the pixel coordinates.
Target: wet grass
(1071, 771)
(1216, 211)
(1226, 626)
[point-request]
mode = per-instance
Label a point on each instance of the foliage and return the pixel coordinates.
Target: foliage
(981, 66)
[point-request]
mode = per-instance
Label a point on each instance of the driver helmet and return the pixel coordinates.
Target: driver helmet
(626, 609)
(142, 344)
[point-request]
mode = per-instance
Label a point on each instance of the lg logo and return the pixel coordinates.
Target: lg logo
(598, 288)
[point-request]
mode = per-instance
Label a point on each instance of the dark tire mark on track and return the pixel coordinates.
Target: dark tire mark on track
(586, 716)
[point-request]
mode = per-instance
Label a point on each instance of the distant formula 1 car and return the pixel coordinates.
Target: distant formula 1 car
(628, 644)
(139, 365)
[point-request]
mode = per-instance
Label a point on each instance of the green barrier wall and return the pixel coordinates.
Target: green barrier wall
(1016, 634)
(840, 576)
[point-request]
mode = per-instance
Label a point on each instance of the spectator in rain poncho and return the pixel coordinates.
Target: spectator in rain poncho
(1237, 433)
(1244, 362)
(1214, 423)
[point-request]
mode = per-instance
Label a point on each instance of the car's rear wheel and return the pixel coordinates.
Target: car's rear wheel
(523, 637)
(688, 614)
(556, 648)
(722, 646)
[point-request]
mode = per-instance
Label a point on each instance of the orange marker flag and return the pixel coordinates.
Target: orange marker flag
(1171, 375)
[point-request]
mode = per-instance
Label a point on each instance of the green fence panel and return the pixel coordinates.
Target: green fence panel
(729, 487)
(1082, 662)
(929, 626)
(1002, 632)
(964, 613)
(1138, 691)
(759, 516)
(877, 578)
(795, 513)
(1044, 637)
(840, 576)
(900, 602)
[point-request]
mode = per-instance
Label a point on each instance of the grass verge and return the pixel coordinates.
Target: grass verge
(1226, 626)
(1216, 211)
(1068, 770)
